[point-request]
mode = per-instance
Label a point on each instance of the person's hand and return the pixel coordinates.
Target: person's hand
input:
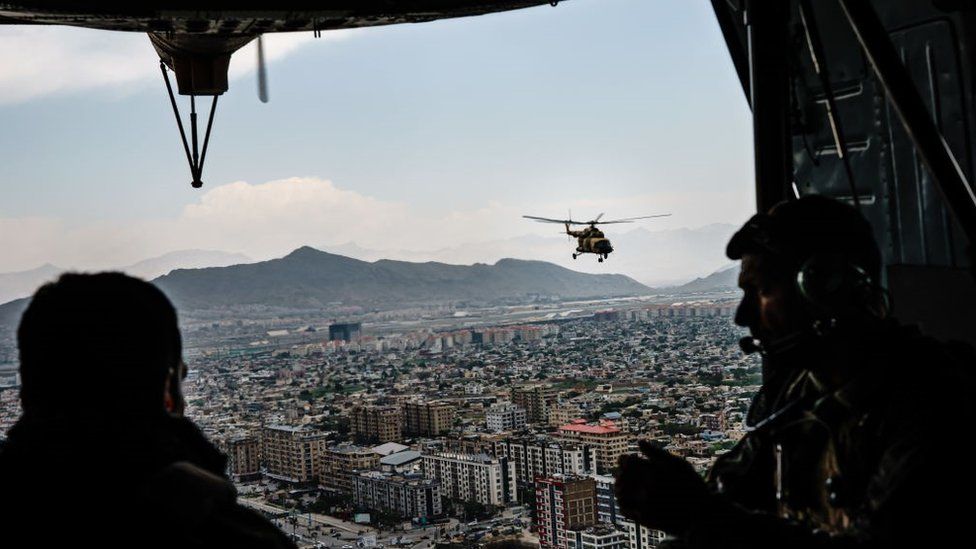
(661, 491)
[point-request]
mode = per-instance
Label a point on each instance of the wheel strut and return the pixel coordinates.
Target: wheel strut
(198, 155)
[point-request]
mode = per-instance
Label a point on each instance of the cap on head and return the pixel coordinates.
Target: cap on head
(101, 341)
(794, 231)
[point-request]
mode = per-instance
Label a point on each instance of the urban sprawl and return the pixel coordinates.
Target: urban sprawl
(347, 437)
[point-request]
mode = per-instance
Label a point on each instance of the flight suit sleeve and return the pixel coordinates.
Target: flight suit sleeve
(916, 496)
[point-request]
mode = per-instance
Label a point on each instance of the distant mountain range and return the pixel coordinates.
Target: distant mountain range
(308, 278)
(655, 258)
(312, 279)
(23, 283)
(722, 280)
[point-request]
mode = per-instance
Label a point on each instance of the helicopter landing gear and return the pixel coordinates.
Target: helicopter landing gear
(599, 260)
(574, 256)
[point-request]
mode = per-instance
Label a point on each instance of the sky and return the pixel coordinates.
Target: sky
(411, 138)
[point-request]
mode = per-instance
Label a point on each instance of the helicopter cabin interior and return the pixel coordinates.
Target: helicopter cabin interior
(871, 102)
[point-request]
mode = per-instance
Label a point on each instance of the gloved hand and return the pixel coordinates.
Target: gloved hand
(662, 491)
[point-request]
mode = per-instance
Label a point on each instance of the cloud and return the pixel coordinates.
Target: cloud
(266, 220)
(37, 61)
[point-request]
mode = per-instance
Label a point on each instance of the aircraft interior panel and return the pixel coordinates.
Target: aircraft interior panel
(924, 245)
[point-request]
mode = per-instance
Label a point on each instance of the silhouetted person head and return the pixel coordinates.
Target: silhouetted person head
(102, 343)
(807, 259)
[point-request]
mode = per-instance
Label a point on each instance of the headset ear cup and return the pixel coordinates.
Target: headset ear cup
(831, 285)
(820, 282)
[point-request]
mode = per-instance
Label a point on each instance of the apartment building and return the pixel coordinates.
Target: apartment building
(292, 454)
(342, 462)
(243, 456)
(538, 457)
(505, 416)
(601, 536)
(408, 496)
(427, 419)
(376, 423)
(473, 477)
(561, 414)
(609, 441)
(535, 400)
(563, 503)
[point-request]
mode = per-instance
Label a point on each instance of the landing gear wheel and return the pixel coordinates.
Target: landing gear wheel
(574, 256)
(599, 260)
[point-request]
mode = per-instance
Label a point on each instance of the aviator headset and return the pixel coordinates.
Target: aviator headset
(831, 284)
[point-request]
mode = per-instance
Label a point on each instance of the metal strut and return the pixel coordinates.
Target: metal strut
(819, 60)
(195, 157)
(901, 91)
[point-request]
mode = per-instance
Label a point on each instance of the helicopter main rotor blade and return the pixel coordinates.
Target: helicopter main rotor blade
(598, 218)
(632, 219)
(548, 220)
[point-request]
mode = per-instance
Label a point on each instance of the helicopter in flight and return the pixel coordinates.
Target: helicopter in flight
(591, 240)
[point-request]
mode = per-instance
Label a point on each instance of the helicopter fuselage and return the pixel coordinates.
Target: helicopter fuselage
(594, 246)
(591, 241)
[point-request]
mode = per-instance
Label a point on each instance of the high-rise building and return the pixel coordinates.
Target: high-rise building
(427, 419)
(537, 457)
(348, 331)
(243, 456)
(476, 478)
(535, 400)
(292, 454)
(376, 423)
(342, 462)
(563, 503)
(409, 496)
(608, 512)
(504, 416)
(610, 443)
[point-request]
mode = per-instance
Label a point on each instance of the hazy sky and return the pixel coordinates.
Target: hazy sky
(415, 137)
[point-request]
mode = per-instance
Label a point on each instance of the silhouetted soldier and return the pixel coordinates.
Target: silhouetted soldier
(855, 437)
(102, 456)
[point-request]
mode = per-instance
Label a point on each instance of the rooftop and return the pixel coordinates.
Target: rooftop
(604, 428)
(400, 458)
(389, 448)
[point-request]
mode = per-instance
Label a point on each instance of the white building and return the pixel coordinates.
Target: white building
(409, 496)
(642, 537)
(505, 416)
(601, 536)
(473, 477)
(540, 458)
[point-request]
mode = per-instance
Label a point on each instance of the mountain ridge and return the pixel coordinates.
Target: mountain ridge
(311, 278)
(722, 279)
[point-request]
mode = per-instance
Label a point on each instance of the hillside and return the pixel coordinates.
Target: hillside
(724, 279)
(309, 278)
